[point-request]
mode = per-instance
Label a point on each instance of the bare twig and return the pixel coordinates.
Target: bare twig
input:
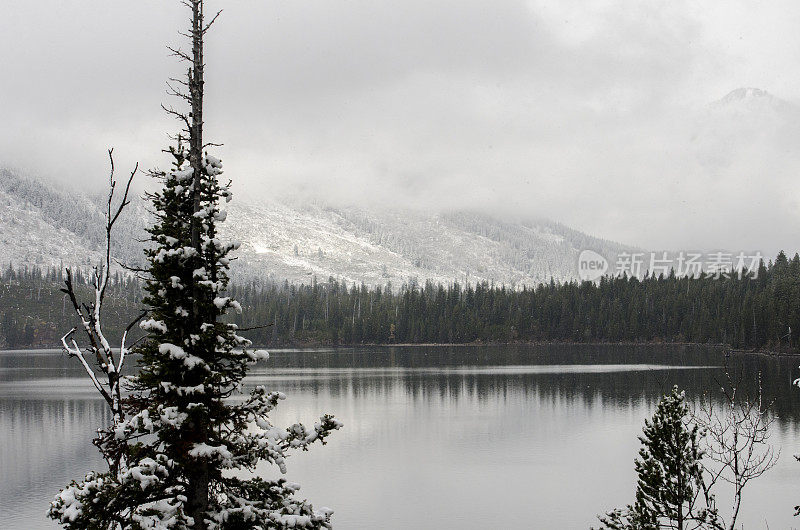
(736, 441)
(214, 19)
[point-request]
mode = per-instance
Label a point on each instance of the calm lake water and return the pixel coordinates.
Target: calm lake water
(434, 437)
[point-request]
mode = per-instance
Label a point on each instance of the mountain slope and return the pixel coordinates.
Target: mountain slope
(376, 247)
(42, 225)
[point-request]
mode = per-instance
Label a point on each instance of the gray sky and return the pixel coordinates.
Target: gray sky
(594, 114)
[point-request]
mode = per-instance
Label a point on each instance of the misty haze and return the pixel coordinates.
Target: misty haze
(361, 265)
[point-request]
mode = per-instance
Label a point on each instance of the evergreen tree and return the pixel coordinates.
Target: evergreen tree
(8, 329)
(742, 311)
(179, 450)
(669, 488)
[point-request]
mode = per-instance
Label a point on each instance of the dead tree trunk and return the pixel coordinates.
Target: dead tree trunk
(108, 384)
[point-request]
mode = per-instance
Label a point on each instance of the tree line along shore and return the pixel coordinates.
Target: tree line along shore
(756, 311)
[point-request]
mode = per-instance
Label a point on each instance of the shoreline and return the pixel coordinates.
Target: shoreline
(726, 348)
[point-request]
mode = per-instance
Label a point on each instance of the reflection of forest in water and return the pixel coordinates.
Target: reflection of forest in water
(49, 412)
(614, 375)
(44, 444)
(610, 375)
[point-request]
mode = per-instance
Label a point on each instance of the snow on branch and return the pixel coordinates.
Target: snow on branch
(90, 314)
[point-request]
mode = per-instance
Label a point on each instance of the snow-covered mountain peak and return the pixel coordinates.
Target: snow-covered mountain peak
(744, 93)
(751, 100)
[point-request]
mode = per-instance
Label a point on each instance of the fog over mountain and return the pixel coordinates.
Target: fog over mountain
(734, 142)
(46, 225)
(597, 116)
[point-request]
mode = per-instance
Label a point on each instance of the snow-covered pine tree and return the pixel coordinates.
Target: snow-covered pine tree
(182, 448)
(669, 489)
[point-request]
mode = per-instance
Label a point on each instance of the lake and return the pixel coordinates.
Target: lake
(469, 437)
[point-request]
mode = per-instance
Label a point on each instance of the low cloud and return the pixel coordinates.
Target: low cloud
(596, 116)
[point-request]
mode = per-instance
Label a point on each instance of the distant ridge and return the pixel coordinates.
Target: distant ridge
(45, 226)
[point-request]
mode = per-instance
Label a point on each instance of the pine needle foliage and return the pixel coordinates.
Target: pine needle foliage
(183, 451)
(669, 486)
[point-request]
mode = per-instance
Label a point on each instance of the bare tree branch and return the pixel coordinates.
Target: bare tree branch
(176, 52)
(214, 19)
(737, 447)
(90, 314)
(75, 351)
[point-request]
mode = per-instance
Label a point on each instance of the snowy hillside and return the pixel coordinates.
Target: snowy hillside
(40, 226)
(46, 226)
(376, 247)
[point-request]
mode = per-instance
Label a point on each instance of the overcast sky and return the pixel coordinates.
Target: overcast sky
(594, 114)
